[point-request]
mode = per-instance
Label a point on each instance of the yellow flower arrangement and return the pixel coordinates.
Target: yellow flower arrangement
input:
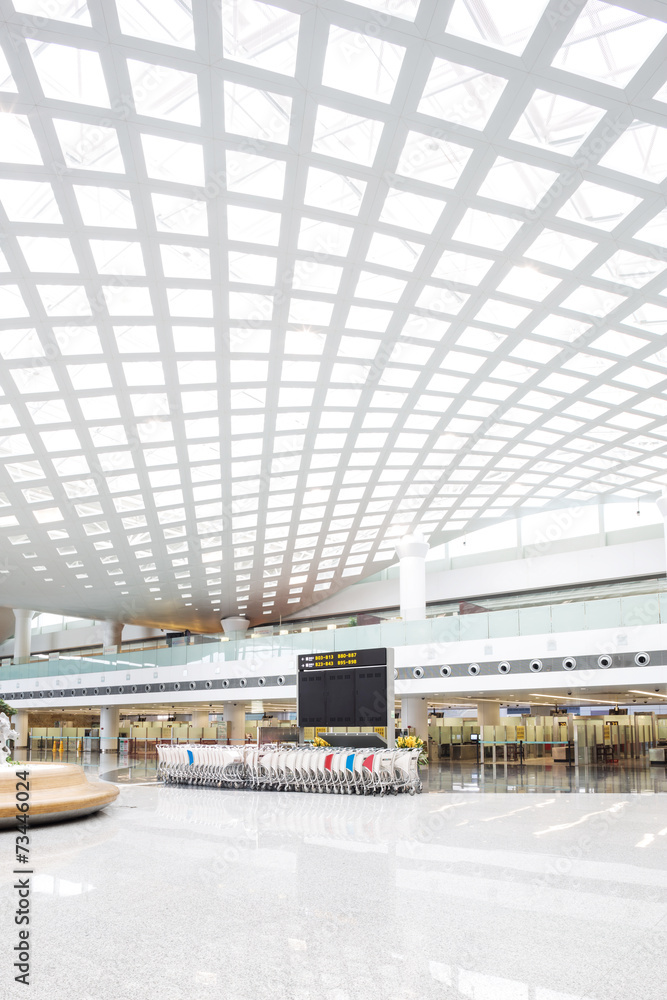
(413, 743)
(319, 742)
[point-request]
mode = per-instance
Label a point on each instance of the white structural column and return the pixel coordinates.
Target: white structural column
(235, 628)
(414, 714)
(199, 718)
(235, 713)
(109, 720)
(488, 713)
(22, 627)
(661, 504)
(112, 635)
(20, 723)
(411, 550)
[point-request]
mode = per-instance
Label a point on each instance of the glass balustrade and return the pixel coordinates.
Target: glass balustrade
(625, 612)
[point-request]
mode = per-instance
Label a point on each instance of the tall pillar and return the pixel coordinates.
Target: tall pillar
(199, 718)
(234, 628)
(112, 636)
(235, 713)
(411, 550)
(414, 714)
(109, 721)
(661, 504)
(22, 634)
(20, 723)
(488, 713)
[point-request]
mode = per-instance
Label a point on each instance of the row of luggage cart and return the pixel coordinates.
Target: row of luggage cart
(291, 769)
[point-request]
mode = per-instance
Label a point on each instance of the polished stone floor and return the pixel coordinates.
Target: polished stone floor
(200, 893)
(536, 775)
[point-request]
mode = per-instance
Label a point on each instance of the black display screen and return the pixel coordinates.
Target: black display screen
(336, 697)
(346, 658)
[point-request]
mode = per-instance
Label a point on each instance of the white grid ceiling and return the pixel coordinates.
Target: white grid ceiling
(305, 276)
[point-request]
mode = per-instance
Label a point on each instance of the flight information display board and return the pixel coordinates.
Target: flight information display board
(346, 658)
(349, 688)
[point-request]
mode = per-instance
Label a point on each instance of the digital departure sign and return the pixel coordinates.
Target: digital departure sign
(347, 688)
(346, 658)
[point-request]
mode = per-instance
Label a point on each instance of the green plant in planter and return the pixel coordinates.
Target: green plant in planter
(7, 709)
(353, 621)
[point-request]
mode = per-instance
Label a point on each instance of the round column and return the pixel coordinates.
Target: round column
(19, 722)
(109, 721)
(411, 550)
(235, 713)
(112, 636)
(414, 715)
(661, 504)
(22, 634)
(235, 628)
(488, 713)
(199, 719)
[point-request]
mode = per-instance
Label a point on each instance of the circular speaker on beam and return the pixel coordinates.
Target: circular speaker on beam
(535, 666)
(445, 670)
(504, 667)
(569, 663)
(474, 669)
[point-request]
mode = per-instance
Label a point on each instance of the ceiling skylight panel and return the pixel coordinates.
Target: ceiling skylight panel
(436, 161)
(29, 201)
(608, 43)
(346, 136)
(165, 93)
(641, 151)
(654, 231)
(258, 114)
(185, 262)
(186, 303)
(77, 339)
(72, 11)
(20, 344)
(503, 313)
(127, 300)
(495, 22)
(166, 21)
(136, 339)
(310, 312)
(311, 277)
(463, 267)
(382, 287)
(517, 183)
(362, 64)
(460, 94)
(250, 268)
(17, 142)
(253, 225)
(118, 257)
(437, 299)
(64, 300)
(92, 377)
(104, 206)
(486, 230)
(69, 74)
(180, 215)
(599, 206)
(43, 253)
(411, 211)
(393, 252)
(554, 122)
(336, 192)
(619, 343)
(260, 34)
(34, 379)
(89, 147)
(528, 283)
(324, 237)
(628, 268)
(250, 174)
(559, 249)
(173, 160)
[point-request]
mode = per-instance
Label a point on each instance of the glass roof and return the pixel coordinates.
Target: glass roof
(282, 281)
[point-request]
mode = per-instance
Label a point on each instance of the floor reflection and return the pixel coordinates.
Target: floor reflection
(625, 777)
